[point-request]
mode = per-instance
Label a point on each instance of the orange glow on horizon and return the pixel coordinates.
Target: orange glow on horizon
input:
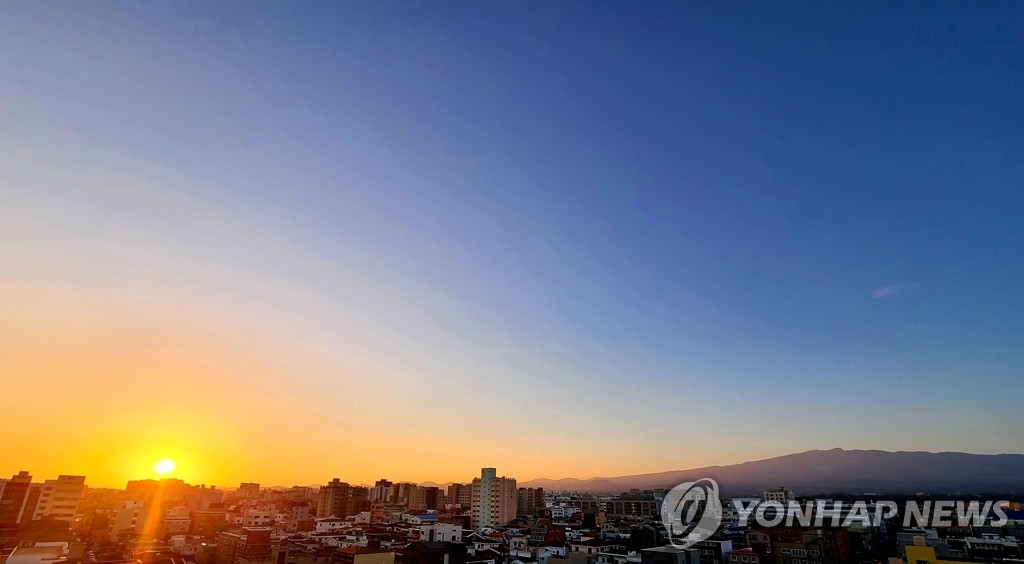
(192, 386)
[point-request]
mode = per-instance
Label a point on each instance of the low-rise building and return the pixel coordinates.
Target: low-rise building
(250, 546)
(362, 555)
(747, 556)
(441, 532)
(669, 554)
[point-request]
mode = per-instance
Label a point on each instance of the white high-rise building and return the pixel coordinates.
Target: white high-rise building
(494, 500)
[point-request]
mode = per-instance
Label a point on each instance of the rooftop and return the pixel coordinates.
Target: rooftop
(669, 549)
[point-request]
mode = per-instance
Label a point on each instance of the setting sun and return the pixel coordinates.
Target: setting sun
(165, 466)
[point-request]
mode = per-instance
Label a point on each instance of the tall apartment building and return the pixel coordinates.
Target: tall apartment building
(331, 502)
(381, 491)
(59, 499)
(407, 495)
(415, 497)
(338, 499)
(432, 497)
(530, 501)
(494, 500)
(248, 490)
(460, 494)
(14, 496)
(359, 500)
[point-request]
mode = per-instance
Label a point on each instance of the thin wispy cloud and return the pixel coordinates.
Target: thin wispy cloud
(886, 292)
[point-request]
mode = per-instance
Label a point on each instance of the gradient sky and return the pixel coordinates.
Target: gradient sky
(288, 241)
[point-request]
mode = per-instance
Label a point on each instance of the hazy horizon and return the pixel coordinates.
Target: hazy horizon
(292, 241)
(232, 484)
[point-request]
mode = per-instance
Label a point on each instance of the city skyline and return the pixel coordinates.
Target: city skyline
(851, 465)
(569, 239)
(492, 521)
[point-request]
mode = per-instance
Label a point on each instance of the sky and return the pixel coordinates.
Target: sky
(286, 242)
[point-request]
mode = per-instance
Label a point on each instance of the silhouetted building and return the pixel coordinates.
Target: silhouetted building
(529, 501)
(748, 556)
(669, 554)
(434, 553)
(648, 535)
(14, 495)
(248, 490)
(797, 545)
(338, 499)
(714, 551)
(207, 524)
(362, 555)
(432, 497)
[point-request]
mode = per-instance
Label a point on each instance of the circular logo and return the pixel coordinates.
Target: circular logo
(692, 512)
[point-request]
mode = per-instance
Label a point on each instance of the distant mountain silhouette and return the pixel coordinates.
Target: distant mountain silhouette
(836, 470)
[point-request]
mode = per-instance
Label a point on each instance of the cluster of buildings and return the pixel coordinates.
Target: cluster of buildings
(960, 544)
(488, 520)
(23, 501)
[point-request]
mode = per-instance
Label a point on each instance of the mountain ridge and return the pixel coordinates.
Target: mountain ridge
(833, 470)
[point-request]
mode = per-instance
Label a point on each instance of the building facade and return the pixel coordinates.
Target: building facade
(530, 501)
(494, 500)
(59, 498)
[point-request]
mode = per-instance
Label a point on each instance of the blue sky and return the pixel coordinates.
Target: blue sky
(617, 223)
